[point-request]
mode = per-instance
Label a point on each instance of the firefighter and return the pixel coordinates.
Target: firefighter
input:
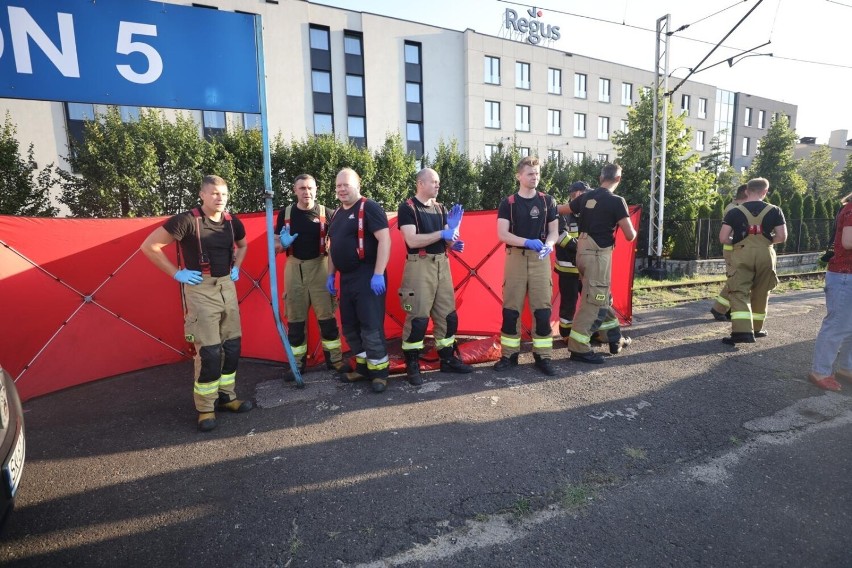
(427, 285)
(527, 224)
(213, 246)
(306, 272)
(721, 309)
(566, 263)
(752, 227)
(359, 247)
(600, 212)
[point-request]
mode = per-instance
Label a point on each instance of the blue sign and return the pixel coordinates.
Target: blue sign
(128, 52)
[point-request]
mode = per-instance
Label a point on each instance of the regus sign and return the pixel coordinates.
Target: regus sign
(534, 29)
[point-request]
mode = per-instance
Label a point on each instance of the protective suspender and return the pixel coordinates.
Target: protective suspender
(422, 251)
(755, 223)
(203, 259)
(543, 234)
(323, 227)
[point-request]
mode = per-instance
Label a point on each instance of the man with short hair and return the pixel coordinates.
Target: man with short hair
(427, 284)
(305, 274)
(600, 212)
(213, 246)
(359, 247)
(527, 225)
(721, 309)
(752, 227)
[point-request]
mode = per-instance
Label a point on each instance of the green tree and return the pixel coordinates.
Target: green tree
(718, 163)
(817, 169)
(244, 150)
(497, 175)
(775, 160)
(846, 179)
(24, 189)
(395, 169)
(459, 175)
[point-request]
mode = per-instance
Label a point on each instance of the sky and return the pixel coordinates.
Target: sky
(809, 66)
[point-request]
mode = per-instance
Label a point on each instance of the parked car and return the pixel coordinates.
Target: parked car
(12, 444)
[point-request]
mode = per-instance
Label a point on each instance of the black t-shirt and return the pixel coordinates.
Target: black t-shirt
(738, 222)
(426, 220)
(600, 210)
(217, 240)
(528, 217)
(307, 225)
(343, 232)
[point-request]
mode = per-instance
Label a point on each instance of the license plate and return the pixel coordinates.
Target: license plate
(15, 466)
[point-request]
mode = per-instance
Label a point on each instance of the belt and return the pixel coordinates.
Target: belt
(435, 256)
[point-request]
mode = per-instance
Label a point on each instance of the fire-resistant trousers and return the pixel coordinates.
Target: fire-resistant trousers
(595, 313)
(212, 325)
(427, 291)
(524, 274)
(304, 282)
(362, 316)
(751, 279)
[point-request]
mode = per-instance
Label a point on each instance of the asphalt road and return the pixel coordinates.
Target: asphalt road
(681, 451)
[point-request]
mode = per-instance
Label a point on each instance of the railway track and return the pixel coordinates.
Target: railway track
(670, 294)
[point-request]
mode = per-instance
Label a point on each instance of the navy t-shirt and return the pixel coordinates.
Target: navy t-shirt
(427, 219)
(343, 232)
(738, 222)
(217, 241)
(528, 217)
(600, 210)
(306, 224)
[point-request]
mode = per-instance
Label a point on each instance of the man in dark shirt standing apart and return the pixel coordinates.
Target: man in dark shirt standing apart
(566, 263)
(359, 247)
(213, 246)
(306, 272)
(427, 285)
(752, 227)
(527, 223)
(600, 212)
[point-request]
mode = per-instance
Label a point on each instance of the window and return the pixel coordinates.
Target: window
(579, 156)
(213, 123)
(554, 81)
(699, 140)
(603, 157)
(321, 81)
(413, 132)
(761, 119)
(492, 114)
(412, 53)
(351, 44)
(746, 144)
(354, 85)
(319, 38)
(554, 155)
(702, 108)
(524, 151)
(412, 92)
(323, 124)
(129, 113)
(747, 119)
(490, 150)
(579, 125)
(522, 75)
(252, 121)
(603, 128)
(624, 125)
(579, 85)
(627, 94)
(684, 104)
(646, 91)
(492, 70)
(522, 118)
(80, 111)
(603, 90)
(554, 121)
(355, 126)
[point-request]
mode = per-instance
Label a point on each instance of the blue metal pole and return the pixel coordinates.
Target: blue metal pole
(267, 180)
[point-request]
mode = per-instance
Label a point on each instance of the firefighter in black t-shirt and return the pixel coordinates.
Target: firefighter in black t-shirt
(427, 285)
(566, 263)
(527, 224)
(752, 227)
(305, 274)
(213, 246)
(600, 212)
(359, 247)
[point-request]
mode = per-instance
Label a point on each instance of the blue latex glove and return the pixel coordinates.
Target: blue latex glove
(286, 238)
(235, 274)
(534, 244)
(329, 285)
(458, 246)
(545, 252)
(377, 284)
(450, 234)
(189, 277)
(454, 216)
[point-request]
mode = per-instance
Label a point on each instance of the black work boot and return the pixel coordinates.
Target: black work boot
(206, 421)
(544, 365)
(451, 362)
(341, 366)
(739, 337)
(506, 362)
(412, 367)
(360, 373)
(288, 375)
(236, 405)
(615, 347)
(587, 357)
(718, 316)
